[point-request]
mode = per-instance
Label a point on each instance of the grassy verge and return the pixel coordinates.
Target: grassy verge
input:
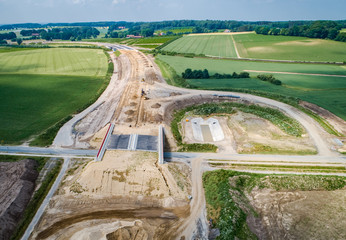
(228, 206)
(170, 75)
(258, 148)
(36, 201)
(47, 137)
(282, 168)
(117, 53)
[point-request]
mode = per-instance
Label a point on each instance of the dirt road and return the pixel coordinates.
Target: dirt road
(195, 226)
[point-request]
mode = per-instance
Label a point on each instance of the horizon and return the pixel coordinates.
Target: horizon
(50, 11)
(110, 21)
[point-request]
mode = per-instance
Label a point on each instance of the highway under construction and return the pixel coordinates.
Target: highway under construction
(123, 181)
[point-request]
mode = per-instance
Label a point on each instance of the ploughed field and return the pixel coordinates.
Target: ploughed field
(326, 91)
(39, 87)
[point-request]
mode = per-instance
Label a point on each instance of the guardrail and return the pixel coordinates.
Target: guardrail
(102, 150)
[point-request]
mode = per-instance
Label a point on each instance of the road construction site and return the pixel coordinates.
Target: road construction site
(128, 192)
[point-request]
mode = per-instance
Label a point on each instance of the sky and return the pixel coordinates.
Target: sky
(52, 11)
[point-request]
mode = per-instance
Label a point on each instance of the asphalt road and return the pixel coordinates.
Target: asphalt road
(59, 152)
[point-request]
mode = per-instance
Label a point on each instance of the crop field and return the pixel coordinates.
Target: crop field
(326, 91)
(177, 30)
(252, 45)
(289, 48)
(150, 40)
(103, 31)
(40, 87)
(72, 61)
(213, 45)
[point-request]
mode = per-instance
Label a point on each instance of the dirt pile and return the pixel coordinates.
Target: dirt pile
(136, 232)
(17, 183)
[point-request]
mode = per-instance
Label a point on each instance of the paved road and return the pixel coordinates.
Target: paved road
(258, 157)
(59, 152)
(46, 200)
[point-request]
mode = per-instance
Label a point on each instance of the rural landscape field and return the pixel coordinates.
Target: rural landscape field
(37, 84)
(155, 129)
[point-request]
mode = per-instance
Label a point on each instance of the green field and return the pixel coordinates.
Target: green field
(325, 91)
(289, 48)
(256, 46)
(103, 31)
(210, 45)
(177, 30)
(40, 87)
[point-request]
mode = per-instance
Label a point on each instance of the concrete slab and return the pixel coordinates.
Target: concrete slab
(207, 130)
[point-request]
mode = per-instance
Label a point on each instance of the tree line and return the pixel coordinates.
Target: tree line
(74, 33)
(317, 29)
(314, 29)
(204, 74)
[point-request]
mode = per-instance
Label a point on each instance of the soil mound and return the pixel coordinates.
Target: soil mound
(128, 233)
(17, 183)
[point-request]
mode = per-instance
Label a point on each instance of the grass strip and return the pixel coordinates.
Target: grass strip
(36, 201)
(295, 168)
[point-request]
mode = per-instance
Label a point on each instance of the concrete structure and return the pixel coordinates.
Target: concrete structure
(103, 147)
(160, 146)
(207, 130)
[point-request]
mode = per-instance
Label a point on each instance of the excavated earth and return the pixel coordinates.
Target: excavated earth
(298, 214)
(17, 183)
(127, 194)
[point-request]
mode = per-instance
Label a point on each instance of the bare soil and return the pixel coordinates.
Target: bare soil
(253, 134)
(125, 186)
(298, 214)
(17, 184)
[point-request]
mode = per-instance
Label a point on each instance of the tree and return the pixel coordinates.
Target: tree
(114, 35)
(205, 74)
(19, 41)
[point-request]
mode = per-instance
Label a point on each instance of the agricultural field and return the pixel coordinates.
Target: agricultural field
(177, 30)
(210, 45)
(40, 87)
(252, 45)
(152, 40)
(103, 31)
(326, 91)
(149, 42)
(257, 46)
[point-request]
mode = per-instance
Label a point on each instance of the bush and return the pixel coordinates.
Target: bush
(269, 78)
(204, 74)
